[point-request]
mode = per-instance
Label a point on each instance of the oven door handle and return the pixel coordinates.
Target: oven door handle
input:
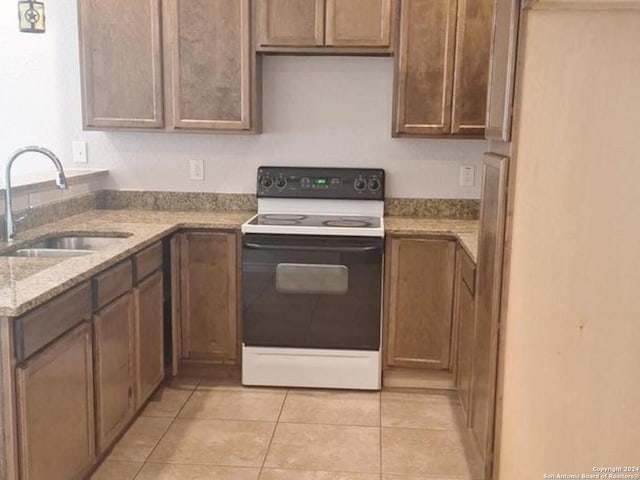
(299, 248)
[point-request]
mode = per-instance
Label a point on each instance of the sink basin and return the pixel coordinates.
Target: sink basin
(66, 246)
(75, 243)
(48, 252)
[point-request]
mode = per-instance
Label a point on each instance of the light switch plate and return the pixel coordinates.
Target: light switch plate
(196, 169)
(467, 175)
(80, 152)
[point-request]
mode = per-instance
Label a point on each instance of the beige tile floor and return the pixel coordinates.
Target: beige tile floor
(197, 430)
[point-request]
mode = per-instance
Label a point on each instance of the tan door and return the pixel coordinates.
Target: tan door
(420, 302)
(208, 297)
(424, 67)
(55, 410)
(358, 23)
(121, 64)
(488, 294)
(471, 70)
(149, 336)
(114, 364)
(290, 23)
(209, 59)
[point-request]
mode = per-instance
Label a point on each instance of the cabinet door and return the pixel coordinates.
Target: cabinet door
(209, 297)
(420, 302)
(121, 64)
(358, 23)
(424, 67)
(290, 23)
(55, 410)
(502, 69)
(471, 67)
(210, 61)
(149, 336)
(114, 368)
(466, 326)
(490, 251)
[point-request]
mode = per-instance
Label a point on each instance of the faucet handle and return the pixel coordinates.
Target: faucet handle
(61, 181)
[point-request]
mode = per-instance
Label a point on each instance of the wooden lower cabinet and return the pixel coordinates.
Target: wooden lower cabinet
(208, 297)
(55, 409)
(419, 305)
(114, 368)
(465, 314)
(149, 336)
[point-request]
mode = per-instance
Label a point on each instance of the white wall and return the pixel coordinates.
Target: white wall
(317, 112)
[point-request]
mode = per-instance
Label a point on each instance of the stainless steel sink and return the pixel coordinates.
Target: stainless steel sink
(75, 243)
(66, 246)
(47, 252)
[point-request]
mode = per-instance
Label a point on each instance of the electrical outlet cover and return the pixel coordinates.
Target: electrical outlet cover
(80, 152)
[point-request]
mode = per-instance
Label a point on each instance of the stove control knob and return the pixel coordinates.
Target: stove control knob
(374, 184)
(360, 184)
(266, 182)
(281, 182)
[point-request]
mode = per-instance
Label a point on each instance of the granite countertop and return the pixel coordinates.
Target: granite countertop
(466, 231)
(28, 282)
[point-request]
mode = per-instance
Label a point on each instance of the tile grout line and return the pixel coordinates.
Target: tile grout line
(275, 427)
(146, 460)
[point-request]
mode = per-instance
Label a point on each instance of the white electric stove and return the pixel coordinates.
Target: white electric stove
(312, 279)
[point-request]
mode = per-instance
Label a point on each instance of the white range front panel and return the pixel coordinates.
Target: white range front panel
(312, 368)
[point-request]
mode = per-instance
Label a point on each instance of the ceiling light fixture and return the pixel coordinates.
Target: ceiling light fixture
(31, 16)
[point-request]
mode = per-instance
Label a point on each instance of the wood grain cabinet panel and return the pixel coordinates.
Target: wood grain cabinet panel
(465, 312)
(502, 68)
(208, 279)
(149, 335)
(114, 368)
(420, 302)
(55, 410)
(488, 292)
(290, 23)
(471, 69)
(210, 60)
(358, 23)
(442, 68)
(424, 67)
(121, 63)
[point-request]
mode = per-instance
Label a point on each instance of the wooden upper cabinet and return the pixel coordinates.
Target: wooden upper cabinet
(424, 67)
(502, 69)
(471, 67)
(121, 63)
(358, 23)
(210, 61)
(55, 410)
(442, 68)
(208, 281)
(420, 279)
(290, 22)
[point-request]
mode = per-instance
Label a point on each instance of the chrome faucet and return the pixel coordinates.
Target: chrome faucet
(61, 182)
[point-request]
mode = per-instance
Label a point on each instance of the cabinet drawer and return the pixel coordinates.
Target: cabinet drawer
(147, 261)
(111, 284)
(468, 271)
(46, 323)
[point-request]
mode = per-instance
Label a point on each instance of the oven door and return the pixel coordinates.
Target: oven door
(312, 291)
